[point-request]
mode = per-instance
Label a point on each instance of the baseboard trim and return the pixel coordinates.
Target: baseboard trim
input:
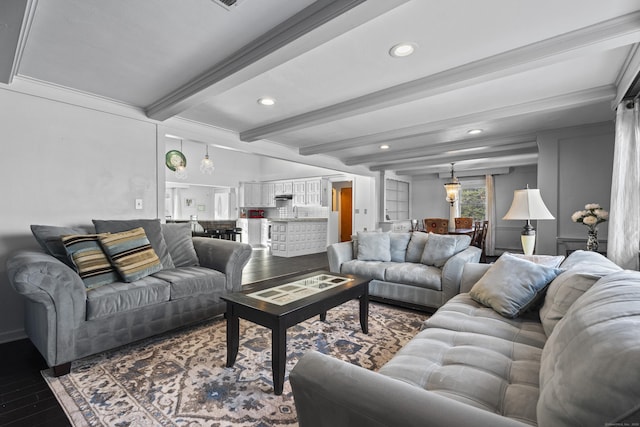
(14, 335)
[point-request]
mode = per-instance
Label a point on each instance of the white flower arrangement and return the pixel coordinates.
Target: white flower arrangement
(591, 216)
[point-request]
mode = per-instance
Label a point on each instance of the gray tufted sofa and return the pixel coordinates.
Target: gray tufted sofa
(65, 321)
(416, 269)
(573, 362)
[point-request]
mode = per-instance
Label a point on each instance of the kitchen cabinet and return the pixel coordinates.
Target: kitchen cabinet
(293, 237)
(251, 194)
(268, 195)
(316, 192)
(258, 231)
(283, 187)
(299, 193)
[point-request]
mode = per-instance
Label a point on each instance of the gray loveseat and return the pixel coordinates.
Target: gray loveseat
(415, 269)
(68, 317)
(574, 361)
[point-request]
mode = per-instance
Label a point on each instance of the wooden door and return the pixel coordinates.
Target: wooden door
(345, 213)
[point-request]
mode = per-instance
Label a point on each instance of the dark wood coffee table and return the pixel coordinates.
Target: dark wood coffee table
(282, 302)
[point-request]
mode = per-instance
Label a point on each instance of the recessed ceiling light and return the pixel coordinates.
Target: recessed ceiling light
(402, 49)
(384, 147)
(474, 131)
(266, 101)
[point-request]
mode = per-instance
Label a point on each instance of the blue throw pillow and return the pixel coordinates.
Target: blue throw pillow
(512, 285)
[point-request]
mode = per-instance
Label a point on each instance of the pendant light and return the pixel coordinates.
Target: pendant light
(206, 165)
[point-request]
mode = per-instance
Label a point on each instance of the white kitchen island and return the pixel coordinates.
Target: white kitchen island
(298, 236)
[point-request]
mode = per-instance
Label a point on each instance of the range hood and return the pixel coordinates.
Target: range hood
(284, 197)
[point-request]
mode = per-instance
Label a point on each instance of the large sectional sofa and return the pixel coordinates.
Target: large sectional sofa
(574, 360)
(77, 305)
(421, 270)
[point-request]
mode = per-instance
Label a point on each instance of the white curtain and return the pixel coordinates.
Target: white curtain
(623, 244)
(490, 244)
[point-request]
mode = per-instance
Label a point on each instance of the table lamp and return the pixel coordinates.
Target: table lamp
(527, 205)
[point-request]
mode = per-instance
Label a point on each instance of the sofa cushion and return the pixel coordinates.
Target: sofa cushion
(368, 269)
(512, 284)
(410, 273)
(461, 313)
(121, 297)
(583, 270)
(180, 244)
(440, 247)
(399, 243)
(131, 254)
(152, 229)
(374, 246)
(50, 239)
(89, 260)
(552, 261)
(193, 280)
(589, 368)
(483, 371)
(415, 248)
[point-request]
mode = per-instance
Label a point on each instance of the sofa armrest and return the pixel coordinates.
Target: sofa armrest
(331, 393)
(57, 297)
(452, 271)
(225, 256)
(471, 273)
(339, 253)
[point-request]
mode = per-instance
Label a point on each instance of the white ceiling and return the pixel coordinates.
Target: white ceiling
(511, 68)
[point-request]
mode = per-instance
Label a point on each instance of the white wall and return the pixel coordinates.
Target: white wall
(64, 165)
(574, 168)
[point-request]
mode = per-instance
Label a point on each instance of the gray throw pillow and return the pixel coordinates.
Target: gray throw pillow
(399, 243)
(374, 246)
(512, 284)
(151, 228)
(50, 239)
(416, 246)
(180, 244)
(441, 247)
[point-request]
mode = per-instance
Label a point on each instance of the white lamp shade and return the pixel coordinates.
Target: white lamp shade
(527, 204)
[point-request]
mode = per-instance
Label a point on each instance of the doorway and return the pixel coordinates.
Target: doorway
(345, 214)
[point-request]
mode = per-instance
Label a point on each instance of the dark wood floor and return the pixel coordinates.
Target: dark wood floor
(25, 398)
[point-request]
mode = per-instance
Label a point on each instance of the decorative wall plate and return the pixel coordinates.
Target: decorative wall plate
(174, 158)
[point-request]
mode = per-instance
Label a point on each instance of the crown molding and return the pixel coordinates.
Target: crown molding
(628, 76)
(554, 103)
(16, 18)
(267, 51)
(607, 34)
(441, 147)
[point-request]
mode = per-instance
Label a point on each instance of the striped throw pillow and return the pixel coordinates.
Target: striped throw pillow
(89, 260)
(131, 254)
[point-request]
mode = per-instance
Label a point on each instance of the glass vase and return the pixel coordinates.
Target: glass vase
(592, 240)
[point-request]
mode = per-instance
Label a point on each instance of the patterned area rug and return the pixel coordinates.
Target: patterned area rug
(180, 378)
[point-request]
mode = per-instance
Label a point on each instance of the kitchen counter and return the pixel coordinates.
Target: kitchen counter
(298, 236)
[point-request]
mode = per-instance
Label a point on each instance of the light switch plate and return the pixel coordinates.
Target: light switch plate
(138, 203)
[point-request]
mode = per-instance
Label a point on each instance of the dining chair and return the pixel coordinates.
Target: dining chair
(436, 225)
(465, 223)
(479, 237)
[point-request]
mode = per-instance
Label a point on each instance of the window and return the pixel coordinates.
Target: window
(473, 200)
(397, 199)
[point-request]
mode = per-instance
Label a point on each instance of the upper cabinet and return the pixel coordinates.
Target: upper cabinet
(304, 191)
(251, 194)
(268, 195)
(299, 193)
(283, 187)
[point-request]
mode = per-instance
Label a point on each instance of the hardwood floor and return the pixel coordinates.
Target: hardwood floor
(25, 398)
